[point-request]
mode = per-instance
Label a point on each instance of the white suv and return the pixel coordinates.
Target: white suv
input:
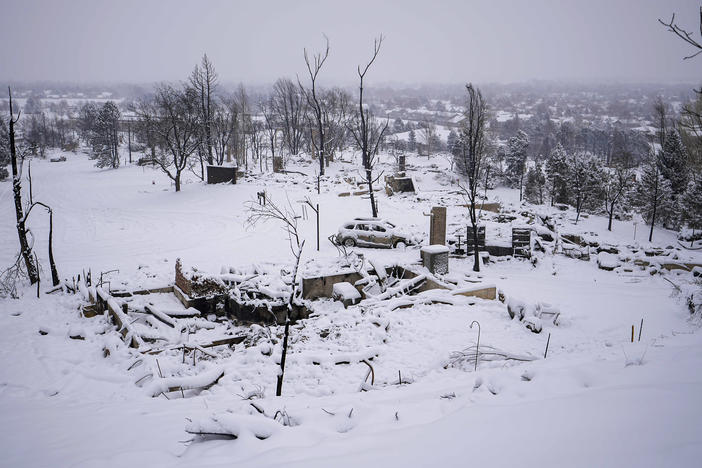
(371, 232)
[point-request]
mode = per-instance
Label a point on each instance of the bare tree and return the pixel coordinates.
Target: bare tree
(288, 103)
(366, 132)
(204, 79)
(25, 247)
(287, 216)
(691, 120)
(428, 131)
(615, 188)
(173, 117)
(684, 35)
(336, 111)
(470, 151)
(256, 130)
(52, 263)
(314, 102)
(270, 119)
(145, 126)
(244, 125)
(225, 122)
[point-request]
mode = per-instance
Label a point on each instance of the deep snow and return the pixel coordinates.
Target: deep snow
(597, 400)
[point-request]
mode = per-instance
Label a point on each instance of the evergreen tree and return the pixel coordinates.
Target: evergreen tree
(585, 181)
(535, 185)
(451, 141)
(566, 136)
(4, 144)
(557, 169)
(615, 189)
(516, 157)
(35, 134)
(653, 192)
(87, 119)
(672, 162)
(33, 105)
(412, 143)
(104, 137)
(692, 205)
(4, 150)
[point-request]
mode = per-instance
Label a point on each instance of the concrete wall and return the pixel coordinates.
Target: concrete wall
(323, 286)
(488, 292)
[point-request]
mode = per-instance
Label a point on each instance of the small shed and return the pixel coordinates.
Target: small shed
(221, 174)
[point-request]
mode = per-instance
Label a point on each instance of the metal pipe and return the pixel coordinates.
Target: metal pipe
(477, 346)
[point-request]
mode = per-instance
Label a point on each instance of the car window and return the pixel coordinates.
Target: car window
(361, 227)
(379, 228)
(349, 226)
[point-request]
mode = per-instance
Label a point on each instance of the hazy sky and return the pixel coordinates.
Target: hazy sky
(426, 41)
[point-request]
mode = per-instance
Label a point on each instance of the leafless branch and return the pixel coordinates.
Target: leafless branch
(683, 34)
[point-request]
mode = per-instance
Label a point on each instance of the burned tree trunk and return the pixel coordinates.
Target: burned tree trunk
(52, 263)
(471, 153)
(367, 134)
(54, 272)
(25, 248)
(286, 335)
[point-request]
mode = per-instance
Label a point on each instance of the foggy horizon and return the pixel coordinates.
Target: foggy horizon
(519, 42)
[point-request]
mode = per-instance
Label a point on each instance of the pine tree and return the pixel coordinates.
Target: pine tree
(672, 162)
(412, 143)
(535, 185)
(4, 144)
(692, 205)
(104, 137)
(451, 141)
(653, 192)
(557, 169)
(585, 181)
(4, 150)
(516, 157)
(616, 186)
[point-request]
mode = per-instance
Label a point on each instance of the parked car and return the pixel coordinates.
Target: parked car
(371, 232)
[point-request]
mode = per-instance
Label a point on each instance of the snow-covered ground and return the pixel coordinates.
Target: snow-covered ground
(596, 400)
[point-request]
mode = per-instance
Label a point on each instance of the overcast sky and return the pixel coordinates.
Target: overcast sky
(426, 41)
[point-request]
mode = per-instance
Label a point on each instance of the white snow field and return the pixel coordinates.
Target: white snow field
(596, 399)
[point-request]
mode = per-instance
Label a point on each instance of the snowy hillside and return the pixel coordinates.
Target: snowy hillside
(382, 383)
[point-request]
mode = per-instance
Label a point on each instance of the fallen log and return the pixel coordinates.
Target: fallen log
(129, 335)
(202, 381)
(233, 425)
(150, 309)
(202, 347)
(225, 341)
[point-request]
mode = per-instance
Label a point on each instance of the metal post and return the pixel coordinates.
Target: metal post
(316, 211)
(477, 346)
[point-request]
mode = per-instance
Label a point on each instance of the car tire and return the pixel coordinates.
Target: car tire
(400, 244)
(349, 242)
